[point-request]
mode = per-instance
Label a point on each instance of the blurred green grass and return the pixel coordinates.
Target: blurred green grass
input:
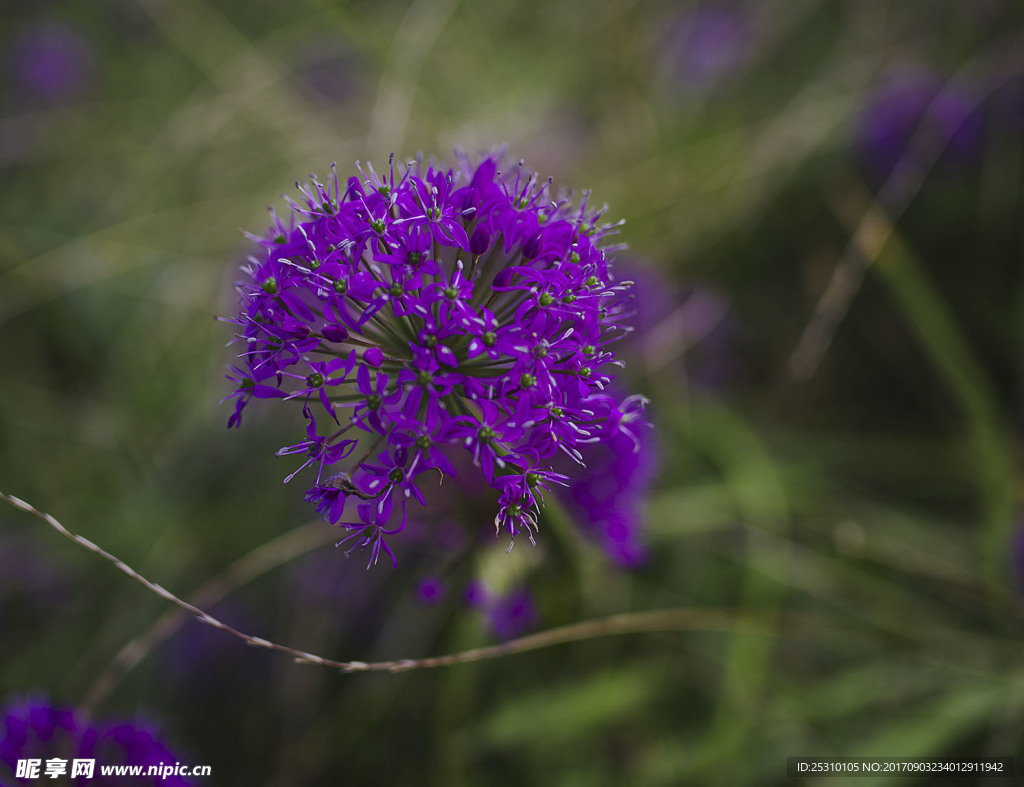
(882, 493)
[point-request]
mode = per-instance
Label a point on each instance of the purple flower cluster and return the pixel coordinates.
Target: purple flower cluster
(37, 730)
(431, 310)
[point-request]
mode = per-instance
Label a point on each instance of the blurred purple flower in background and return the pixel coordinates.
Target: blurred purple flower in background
(508, 614)
(707, 44)
(476, 594)
(430, 590)
(511, 614)
(51, 62)
(34, 729)
(607, 497)
(940, 117)
(692, 328)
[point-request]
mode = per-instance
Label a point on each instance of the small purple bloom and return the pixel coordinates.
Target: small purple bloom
(330, 496)
(430, 590)
(319, 449)
(429, 312)
(476, 594)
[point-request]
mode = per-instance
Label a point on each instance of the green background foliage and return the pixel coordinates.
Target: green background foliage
(864, 507)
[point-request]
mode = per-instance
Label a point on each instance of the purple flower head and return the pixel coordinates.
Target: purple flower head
(51, 61)
(916, 113)
(36, 730)
(422, 312)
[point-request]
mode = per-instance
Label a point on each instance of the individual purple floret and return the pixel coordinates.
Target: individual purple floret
(427, 310)
(36, 730)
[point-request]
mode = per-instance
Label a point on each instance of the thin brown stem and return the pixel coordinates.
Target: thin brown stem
(202, 616)
(658, 620)
(259, 561)
(680, 619)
